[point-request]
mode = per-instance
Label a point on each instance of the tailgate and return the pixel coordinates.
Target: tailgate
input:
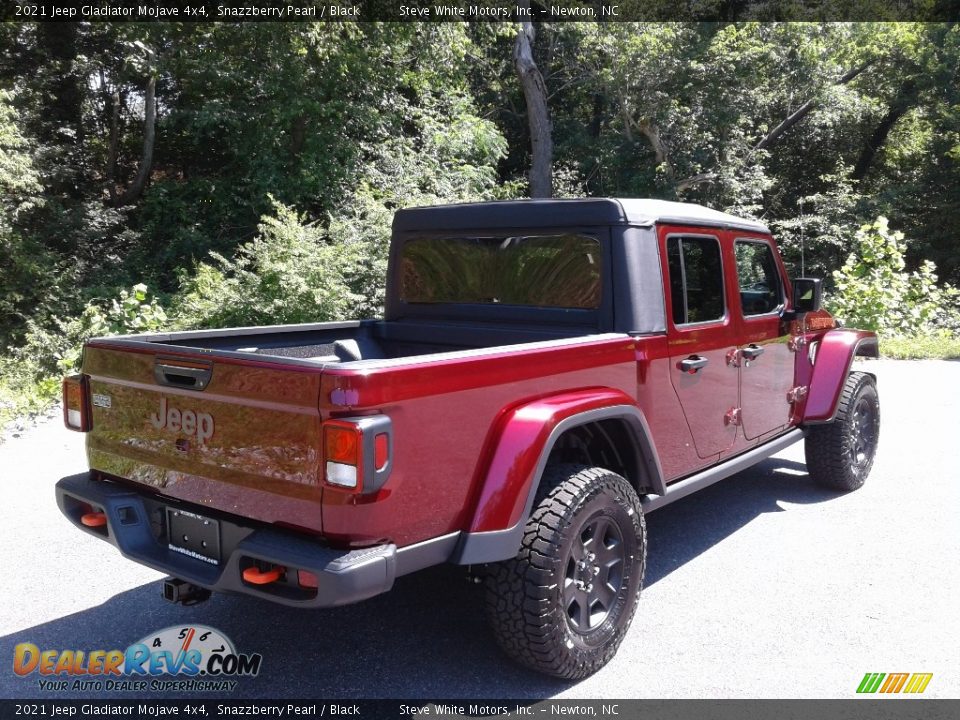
(236, 435)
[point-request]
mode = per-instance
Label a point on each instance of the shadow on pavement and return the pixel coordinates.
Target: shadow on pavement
(679, 532)
(426, 638)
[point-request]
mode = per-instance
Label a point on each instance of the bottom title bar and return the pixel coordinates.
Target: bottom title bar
(404, 709)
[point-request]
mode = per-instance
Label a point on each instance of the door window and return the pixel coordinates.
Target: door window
(696, 279)
(760, 288)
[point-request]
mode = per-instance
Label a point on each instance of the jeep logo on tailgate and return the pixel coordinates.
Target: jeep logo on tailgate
(187, 422)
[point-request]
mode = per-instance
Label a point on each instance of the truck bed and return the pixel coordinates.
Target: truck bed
(373, 339)
(231, 420)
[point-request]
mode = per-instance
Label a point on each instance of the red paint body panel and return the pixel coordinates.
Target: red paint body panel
(661, 408)
(834, 356)
(347, 390)
(444, 417)
(523, 434)
(710, 393)
(262, 460)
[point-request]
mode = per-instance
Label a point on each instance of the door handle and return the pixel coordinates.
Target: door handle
(693, 364)
(751, 352)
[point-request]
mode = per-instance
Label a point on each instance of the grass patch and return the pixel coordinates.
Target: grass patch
(921, 347)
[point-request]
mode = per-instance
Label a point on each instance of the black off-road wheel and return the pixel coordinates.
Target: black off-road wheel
(840, 454)
(563, 605)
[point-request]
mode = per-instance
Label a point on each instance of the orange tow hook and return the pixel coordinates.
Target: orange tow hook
(258, 577)
(94, 519)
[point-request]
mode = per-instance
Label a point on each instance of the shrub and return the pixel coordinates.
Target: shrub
(30, 373)
(334, 268)
(875, 292)
(292, 272)
(130, 312)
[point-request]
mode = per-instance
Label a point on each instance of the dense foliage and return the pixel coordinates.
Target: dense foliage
(874, 291)
(248, 173)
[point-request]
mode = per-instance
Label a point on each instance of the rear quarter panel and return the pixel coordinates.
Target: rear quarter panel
(445, 412)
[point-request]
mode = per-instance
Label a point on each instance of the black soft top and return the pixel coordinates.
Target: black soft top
(565, 213)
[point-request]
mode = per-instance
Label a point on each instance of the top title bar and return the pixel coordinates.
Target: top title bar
(478, 10)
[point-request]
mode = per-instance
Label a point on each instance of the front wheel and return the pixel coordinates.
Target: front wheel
(840, 454)
(563, 605)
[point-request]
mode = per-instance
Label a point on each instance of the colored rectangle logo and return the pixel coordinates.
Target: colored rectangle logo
(892, 683)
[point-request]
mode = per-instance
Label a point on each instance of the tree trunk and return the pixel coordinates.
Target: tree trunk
(694, 180)
(111, 103)
(149, 132)
(804, 110)
(651, 131)
(899, 107)
(298, 135)
(538, 113)
(598, 115)
(114, 147)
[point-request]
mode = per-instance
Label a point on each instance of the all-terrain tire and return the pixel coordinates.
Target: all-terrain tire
(840, 454)
(563, 605)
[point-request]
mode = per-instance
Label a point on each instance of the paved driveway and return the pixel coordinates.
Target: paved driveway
(761, 586)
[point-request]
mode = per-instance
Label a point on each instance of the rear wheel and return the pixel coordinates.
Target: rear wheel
(840, 454)
(563, 605)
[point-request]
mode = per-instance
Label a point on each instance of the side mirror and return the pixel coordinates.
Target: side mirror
(807, 295)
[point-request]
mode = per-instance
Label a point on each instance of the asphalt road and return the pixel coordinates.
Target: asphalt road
(761, 586)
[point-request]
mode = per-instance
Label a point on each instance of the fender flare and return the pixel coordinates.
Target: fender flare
(522, 444)
(834, 359)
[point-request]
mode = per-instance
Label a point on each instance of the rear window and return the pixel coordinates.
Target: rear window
(561, 271)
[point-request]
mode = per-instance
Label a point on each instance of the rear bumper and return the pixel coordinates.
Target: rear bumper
(136, 527)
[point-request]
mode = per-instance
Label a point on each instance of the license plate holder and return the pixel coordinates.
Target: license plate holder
(193, 535)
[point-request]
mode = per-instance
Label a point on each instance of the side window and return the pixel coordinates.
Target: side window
(696, 279)
(760, 287)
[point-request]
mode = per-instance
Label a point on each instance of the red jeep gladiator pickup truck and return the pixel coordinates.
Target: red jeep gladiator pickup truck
(546, 373)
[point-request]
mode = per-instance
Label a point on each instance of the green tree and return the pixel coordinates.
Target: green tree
(875, 292)
(28, 277)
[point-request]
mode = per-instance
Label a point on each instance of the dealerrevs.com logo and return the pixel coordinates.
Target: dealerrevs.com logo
(177, 658)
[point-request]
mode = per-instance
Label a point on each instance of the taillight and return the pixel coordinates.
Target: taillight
(344, 462)
(357, 453)
(76, 403)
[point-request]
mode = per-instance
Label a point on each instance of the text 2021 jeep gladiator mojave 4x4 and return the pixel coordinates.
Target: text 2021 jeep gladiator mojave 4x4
(546, 373)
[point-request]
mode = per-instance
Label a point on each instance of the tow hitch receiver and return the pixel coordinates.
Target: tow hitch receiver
(183, 592)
